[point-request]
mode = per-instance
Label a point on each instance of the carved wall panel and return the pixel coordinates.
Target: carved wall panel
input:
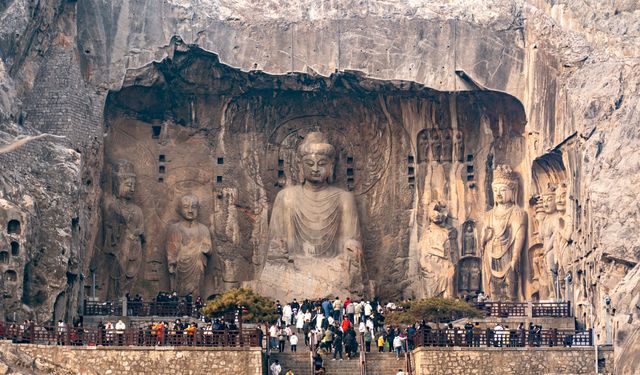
(231, 139)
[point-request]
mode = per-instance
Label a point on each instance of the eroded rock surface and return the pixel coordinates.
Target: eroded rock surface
(547, 87)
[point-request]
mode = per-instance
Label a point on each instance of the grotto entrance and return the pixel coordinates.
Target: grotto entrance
(190, 125)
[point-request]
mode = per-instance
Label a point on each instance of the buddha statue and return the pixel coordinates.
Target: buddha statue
(123, 230)
(564, 231)
(504, 237)
(314, 233)
(188, 248)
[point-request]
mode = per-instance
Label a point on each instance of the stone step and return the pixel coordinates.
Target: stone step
(377, 363)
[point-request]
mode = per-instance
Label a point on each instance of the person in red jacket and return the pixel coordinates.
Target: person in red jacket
(345, 324)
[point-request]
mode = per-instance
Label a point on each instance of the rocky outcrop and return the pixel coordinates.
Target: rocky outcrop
(570, 69)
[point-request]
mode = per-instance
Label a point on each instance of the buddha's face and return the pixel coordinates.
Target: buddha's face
(316, 168)
(549, 203)
(437, 216)
(503, 193)
(561, 199)
(189, 208)
(126, 187)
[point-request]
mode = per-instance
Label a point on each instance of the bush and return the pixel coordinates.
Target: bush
(255, 308)
(434, 309)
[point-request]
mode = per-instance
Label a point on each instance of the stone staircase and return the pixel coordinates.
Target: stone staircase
(377, 364)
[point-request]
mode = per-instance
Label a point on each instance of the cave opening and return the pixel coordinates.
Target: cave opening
(396, 143)
(13, 227)
(15, 248)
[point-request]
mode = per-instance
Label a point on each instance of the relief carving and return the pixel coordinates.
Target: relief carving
(468, 238)
(123, 230)
(188, 248)
(504, 237)
(458, 145)
(447, 145)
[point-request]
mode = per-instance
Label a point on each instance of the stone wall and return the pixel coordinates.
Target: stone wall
(501, 361)
(93, 360)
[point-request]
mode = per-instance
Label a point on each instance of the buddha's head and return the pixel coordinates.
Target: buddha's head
(438, 213)
(549, 199)
(188, 207)
(124, 179)
(504, 185)
(561, 197)
(317, 159)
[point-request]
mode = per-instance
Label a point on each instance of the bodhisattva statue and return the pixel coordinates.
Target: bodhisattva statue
(123, 230)
(547, 216)
(503, 238)
(438, 259)
(188, 246)
(564, 231)
(315, 246)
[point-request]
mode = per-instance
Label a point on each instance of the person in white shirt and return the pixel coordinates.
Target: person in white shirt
(397, 346)
(120, 327)
(299, 321)
(273, 336)
(400, 372)
(367, 309)
(275, 368)
(362, 327)
(293, 340)
(286, 314)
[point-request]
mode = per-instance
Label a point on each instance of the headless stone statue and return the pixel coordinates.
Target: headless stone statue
(315, 246)
(504, 238)
(436, 262)
(188, 246)
(123, 230)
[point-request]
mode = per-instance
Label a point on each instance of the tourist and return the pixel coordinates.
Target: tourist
(282, 338)
(397, 346)
(293, 340)
(318, 362)
(120, 327)
(289, 372)
(358, 313)
(345, 324)
(300, 321)
(381, 343)
(400, 372)
(337, 346)
(337, 309)
(327, 307)
(350, 310)
(275, 368)
(62, 332)
(286, 314)
(367, 340)
(273, 336)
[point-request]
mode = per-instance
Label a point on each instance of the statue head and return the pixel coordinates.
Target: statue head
(317, 159)
(123, 179)
(188, 207)
(438, 213)
(549, 199)
(504, 185)
(561, 197)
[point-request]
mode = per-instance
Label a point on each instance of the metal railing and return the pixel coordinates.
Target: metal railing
(520, 309)
(115, 308)
(73, 336)
(501, 338)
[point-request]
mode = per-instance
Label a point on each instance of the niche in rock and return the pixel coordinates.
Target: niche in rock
(258, 121)
(13, 227)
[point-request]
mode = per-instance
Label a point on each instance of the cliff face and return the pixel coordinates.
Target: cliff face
(571, 65)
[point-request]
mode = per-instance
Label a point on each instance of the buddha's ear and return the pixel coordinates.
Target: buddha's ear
(332, 176)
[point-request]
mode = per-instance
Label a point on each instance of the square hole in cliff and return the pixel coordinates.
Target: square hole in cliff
(162, 158)
(219, 179)
(155, 131)
(220, 161)
(15, 248)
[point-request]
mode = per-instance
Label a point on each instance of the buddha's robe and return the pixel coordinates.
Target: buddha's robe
(187, 249)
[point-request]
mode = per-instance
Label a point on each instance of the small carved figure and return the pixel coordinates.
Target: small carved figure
(468, 238)
(438, 259)
(503, 237)
(447, 145)
(469, 275)
(188, 247)
(123, 230)
(458, 145)
(423, 146)
(435, 145)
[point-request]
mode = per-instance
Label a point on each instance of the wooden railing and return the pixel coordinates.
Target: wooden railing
(73, 336)
(142, 309)
(518, 309)
(501, 338)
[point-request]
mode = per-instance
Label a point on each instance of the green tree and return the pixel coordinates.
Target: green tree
(434, 309)
(255, 308)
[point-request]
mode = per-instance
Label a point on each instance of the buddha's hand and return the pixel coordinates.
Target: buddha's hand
(172, 268)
